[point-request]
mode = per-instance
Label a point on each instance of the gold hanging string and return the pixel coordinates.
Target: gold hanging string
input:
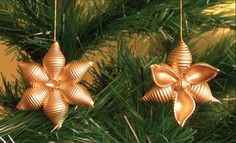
(181, 20)
(55, 22)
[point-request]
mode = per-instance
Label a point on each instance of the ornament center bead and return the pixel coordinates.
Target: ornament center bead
(53, 83)
(181, 84)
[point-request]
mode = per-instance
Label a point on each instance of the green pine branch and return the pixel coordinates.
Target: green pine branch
(221, 124)
(119, 114)
(29, 23)
(222, 56)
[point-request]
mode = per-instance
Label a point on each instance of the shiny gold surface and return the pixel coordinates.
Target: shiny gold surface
(54, 61)
(54, 86)
(33, 73)
(184, 106)
(33, 98)
(200, 72)
(201, 93)
(76, 70)
(55, 107)
(180, 58)
(182, 83)
(77, 95)
(156, 94)
(162, 76)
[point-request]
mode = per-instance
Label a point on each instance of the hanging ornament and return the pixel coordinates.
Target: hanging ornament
(181, 82)
(54, 85)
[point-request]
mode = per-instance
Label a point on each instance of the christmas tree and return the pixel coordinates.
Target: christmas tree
(123, 38)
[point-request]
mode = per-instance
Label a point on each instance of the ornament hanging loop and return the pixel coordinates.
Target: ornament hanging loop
(55, 22)
(181, 20)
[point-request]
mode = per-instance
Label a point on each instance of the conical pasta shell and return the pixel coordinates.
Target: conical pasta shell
(77, 95)
(180, 58)
(75, 70)
(54, 61)
(33, 73)
(56, 108)
(33, 98)
(161, 95)
(201, 93)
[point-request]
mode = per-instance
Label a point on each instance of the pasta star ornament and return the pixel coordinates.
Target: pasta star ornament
(54, 85)
(181, 82)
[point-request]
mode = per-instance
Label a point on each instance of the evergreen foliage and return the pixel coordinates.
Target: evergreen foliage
(119, 115)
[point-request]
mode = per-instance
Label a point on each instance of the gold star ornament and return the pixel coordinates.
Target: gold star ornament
(54, 85)
(181, 82)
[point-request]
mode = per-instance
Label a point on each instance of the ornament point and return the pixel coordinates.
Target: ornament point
(216, 100)
(57, 127)
(91, 104)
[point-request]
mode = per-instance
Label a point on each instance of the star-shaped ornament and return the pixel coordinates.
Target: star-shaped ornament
(182, 83)
(54, 85)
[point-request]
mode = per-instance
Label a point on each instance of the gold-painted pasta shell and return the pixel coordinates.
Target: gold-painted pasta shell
(201, 93)
(180, 58)
(54, 61)
(76, 70)
(33, 73)
(32, 99)
(161, 95)
(77, 95)
(200, 72)
(56, 108)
